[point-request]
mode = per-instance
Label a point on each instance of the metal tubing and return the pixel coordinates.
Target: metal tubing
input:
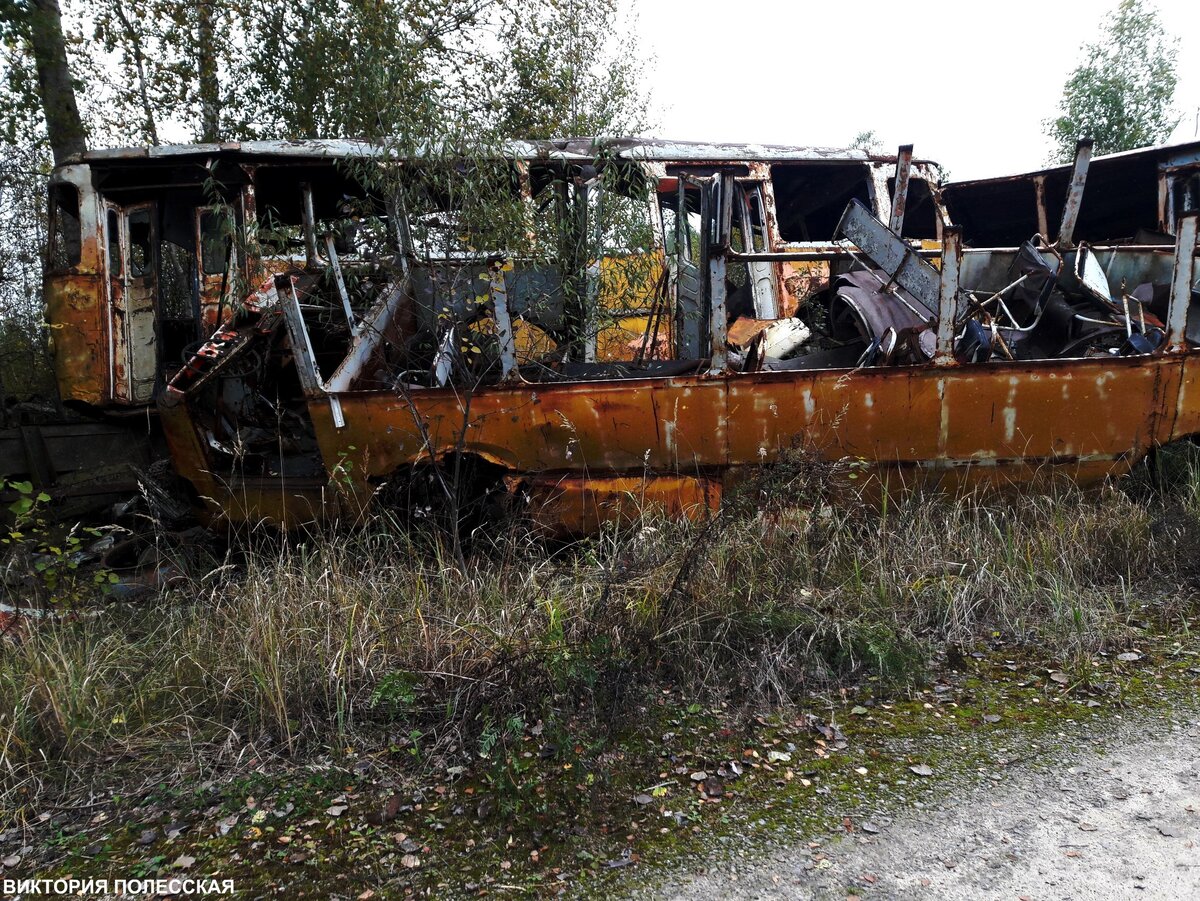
(818, 256)
(1039, 191)
(1083, 158)
(336, 266)
(504, 326)
(948, 294)
(302, 349)
(718, 321)
(310, 228)
(900, 191)
(1181, 283)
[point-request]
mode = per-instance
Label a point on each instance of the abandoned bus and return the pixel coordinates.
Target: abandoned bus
(583, 325)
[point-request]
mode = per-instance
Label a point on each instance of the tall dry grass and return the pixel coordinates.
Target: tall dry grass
(306, 643)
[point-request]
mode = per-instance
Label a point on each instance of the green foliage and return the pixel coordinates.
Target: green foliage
(1120, 95)
(23, 507)
(566, 68)
(24, 358)
(325, 68)
(513, 775)
(331, 68)
(55, 559)
(867, 140)
(20, 104)
(395, 693)
(25, 371)
(495, 734)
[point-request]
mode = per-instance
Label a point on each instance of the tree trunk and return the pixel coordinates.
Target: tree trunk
(210, 88)
(63, 125)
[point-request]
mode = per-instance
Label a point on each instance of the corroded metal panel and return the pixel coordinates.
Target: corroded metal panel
(233, 500)
(1054, 411)
(76, 311)
(568, 504)
(622, 426)
(79, 336)
(869, 414)
(583, 446)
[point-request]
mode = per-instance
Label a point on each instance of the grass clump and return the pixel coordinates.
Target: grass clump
(384, 635)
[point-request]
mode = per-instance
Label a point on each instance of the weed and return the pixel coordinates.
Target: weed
(54, 556)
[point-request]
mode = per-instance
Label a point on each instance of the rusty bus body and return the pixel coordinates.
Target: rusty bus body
(776, 298)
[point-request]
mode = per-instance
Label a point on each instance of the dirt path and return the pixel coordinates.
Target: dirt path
(1119, 821)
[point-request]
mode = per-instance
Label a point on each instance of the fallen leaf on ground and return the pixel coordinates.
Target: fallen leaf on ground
(183, 861)
(389, 811)
(828, 732)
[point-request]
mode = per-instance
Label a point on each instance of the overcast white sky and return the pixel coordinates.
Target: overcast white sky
(967, 83)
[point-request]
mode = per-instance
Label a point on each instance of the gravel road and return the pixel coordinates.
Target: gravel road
(1117, 821)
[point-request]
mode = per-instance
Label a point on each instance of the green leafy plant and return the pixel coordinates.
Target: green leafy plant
(27, 501)
(55, 558)
(395, 693)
